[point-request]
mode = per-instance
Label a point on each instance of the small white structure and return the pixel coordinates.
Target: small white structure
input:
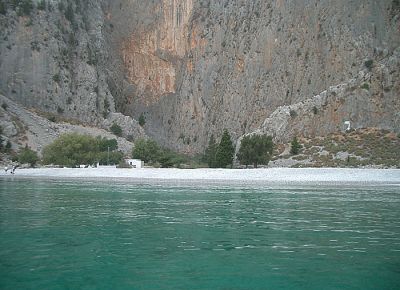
(348, 124)
(135, 163)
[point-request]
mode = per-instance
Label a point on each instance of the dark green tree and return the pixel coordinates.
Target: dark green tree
(211, 152)
(169, 158)
(116, 129)
(142, 120)
(1, 139)
(225, 151)
(27, 155)
(112, 157)
(146, 150)
(255, 149)
(246, 151)
(69, 13)
(26, 7)
(106, 144)
(295, 146)
(42, 5)
(8, 146)
(3, 7)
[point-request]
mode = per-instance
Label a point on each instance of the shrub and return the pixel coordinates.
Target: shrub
(4, 106)
(56, 78)
(3, 8)
(315, 110)
(41, 5)
(293, 113)
(369, 64)
(168, 158)
(150, 152)
(52, 118)
(106, 110)
(295, 146)
(1, 139)
(365, 86)
(34, 44)
(69, 13)
(8, 146)
(116, 129)
(27, 155)
(25, 7)
(142, 120)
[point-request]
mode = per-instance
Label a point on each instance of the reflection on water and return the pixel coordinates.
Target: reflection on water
(65, 234)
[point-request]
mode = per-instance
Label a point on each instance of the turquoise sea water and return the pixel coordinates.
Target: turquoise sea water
(110, 235)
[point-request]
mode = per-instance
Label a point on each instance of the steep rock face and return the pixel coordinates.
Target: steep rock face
(149, 52)
(55, 59)
(50, 59)
(197, 67)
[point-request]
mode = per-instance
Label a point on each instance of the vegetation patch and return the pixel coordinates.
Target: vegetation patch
(74, 149)
(359, 148)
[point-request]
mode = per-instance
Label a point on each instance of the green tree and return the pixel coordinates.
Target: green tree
(112, 157)
(255, 149)
(211, 152)
(3, 8)
(225, 151)
(369, 64)
(26, 7)
(69, 13)
(41, 5)
(105, 144)
(146, 150)
(169, 158)
(8, 146)
(116, 129)
(1, 139)
(142, 120)
(295, 146)
(74, 149)
(27, 155)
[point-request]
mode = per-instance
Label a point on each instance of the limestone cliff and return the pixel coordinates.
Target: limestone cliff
(195, 67)
(54, 58)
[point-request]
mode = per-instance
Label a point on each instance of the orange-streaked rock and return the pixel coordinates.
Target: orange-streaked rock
(153, 74)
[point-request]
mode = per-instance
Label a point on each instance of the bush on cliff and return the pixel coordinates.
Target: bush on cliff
(295, 146)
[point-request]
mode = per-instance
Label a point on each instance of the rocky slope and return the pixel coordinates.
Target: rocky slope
(26, 128)
(195, 67)
(367, 100)
(365, 148)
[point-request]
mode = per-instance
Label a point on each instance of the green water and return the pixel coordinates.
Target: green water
(111, 235)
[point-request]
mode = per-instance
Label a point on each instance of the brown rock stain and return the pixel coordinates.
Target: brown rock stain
(149, 56)
(240, 65)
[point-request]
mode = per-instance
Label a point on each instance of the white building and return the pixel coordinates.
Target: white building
(135, 163)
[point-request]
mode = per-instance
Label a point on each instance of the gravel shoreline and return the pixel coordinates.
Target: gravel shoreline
(262, 175)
